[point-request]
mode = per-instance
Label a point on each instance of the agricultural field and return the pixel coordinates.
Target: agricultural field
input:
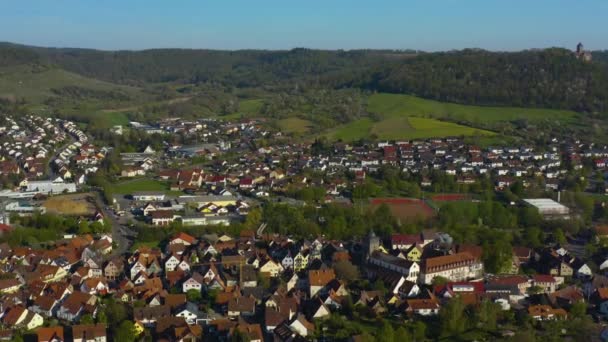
(71, 205)
(390, 105)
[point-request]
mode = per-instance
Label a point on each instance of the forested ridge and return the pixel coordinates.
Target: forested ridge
(550, 78)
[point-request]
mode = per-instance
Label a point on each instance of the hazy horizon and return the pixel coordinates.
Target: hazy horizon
(292, 48)
(432, 25)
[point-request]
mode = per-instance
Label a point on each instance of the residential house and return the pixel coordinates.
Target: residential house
(300, 261)
(319, 279)
(545, 282)
(194, 282)
(45, 305)
(241, 306)
(546, 312)
(89, 333)
(188, 311)
(422, 307)
(50, 334)
(114, 269)
(75, 305)
(149, 315)
(271, 268)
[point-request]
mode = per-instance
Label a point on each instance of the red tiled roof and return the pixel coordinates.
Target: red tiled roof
(186, 237)
(10, 318)
(447, 261)
(509, 280)
(47, 334)
(321, 277)
(406, 239)
(543, 278)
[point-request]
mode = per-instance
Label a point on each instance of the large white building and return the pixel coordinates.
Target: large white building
(548, 208)
(49, 187)
(455, 267)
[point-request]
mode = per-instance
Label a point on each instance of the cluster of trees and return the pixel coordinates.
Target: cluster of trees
(457, 321)
(40, 228)
(323, 107)
(335, 221)
(551, 78)
(77, 92)
(116, 315)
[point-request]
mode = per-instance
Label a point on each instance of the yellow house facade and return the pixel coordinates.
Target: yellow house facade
(413, 254)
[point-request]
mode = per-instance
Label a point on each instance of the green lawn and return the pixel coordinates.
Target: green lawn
(352, 131)
(424, 127)
(115, 118)
(247, 109)
(139, 244)
(294, 125)
(251, 106)
(389, 105)
(393, 128)
(142, 184)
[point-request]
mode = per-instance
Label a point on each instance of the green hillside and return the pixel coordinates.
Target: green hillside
(411, 117)
(390, 105)
(37, 84)
(397, 128)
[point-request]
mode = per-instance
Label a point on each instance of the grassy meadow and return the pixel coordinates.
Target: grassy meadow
(390, 105)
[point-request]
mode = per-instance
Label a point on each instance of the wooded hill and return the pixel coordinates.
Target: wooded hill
(551, 78)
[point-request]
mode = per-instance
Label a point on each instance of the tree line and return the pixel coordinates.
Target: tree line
(551, 78)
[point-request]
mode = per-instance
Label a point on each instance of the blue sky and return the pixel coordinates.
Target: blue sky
(328, 24)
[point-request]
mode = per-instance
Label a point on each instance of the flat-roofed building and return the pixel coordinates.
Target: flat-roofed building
(548, 208)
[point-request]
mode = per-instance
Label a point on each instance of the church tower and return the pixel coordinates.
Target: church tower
(372, 244)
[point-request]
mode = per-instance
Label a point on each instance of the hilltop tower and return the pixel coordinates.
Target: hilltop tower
(581, 54)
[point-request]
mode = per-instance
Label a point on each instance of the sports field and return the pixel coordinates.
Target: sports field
(405, 209)
(135, 185)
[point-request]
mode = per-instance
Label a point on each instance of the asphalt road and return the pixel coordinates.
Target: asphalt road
(121, 234)
(51, 167)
